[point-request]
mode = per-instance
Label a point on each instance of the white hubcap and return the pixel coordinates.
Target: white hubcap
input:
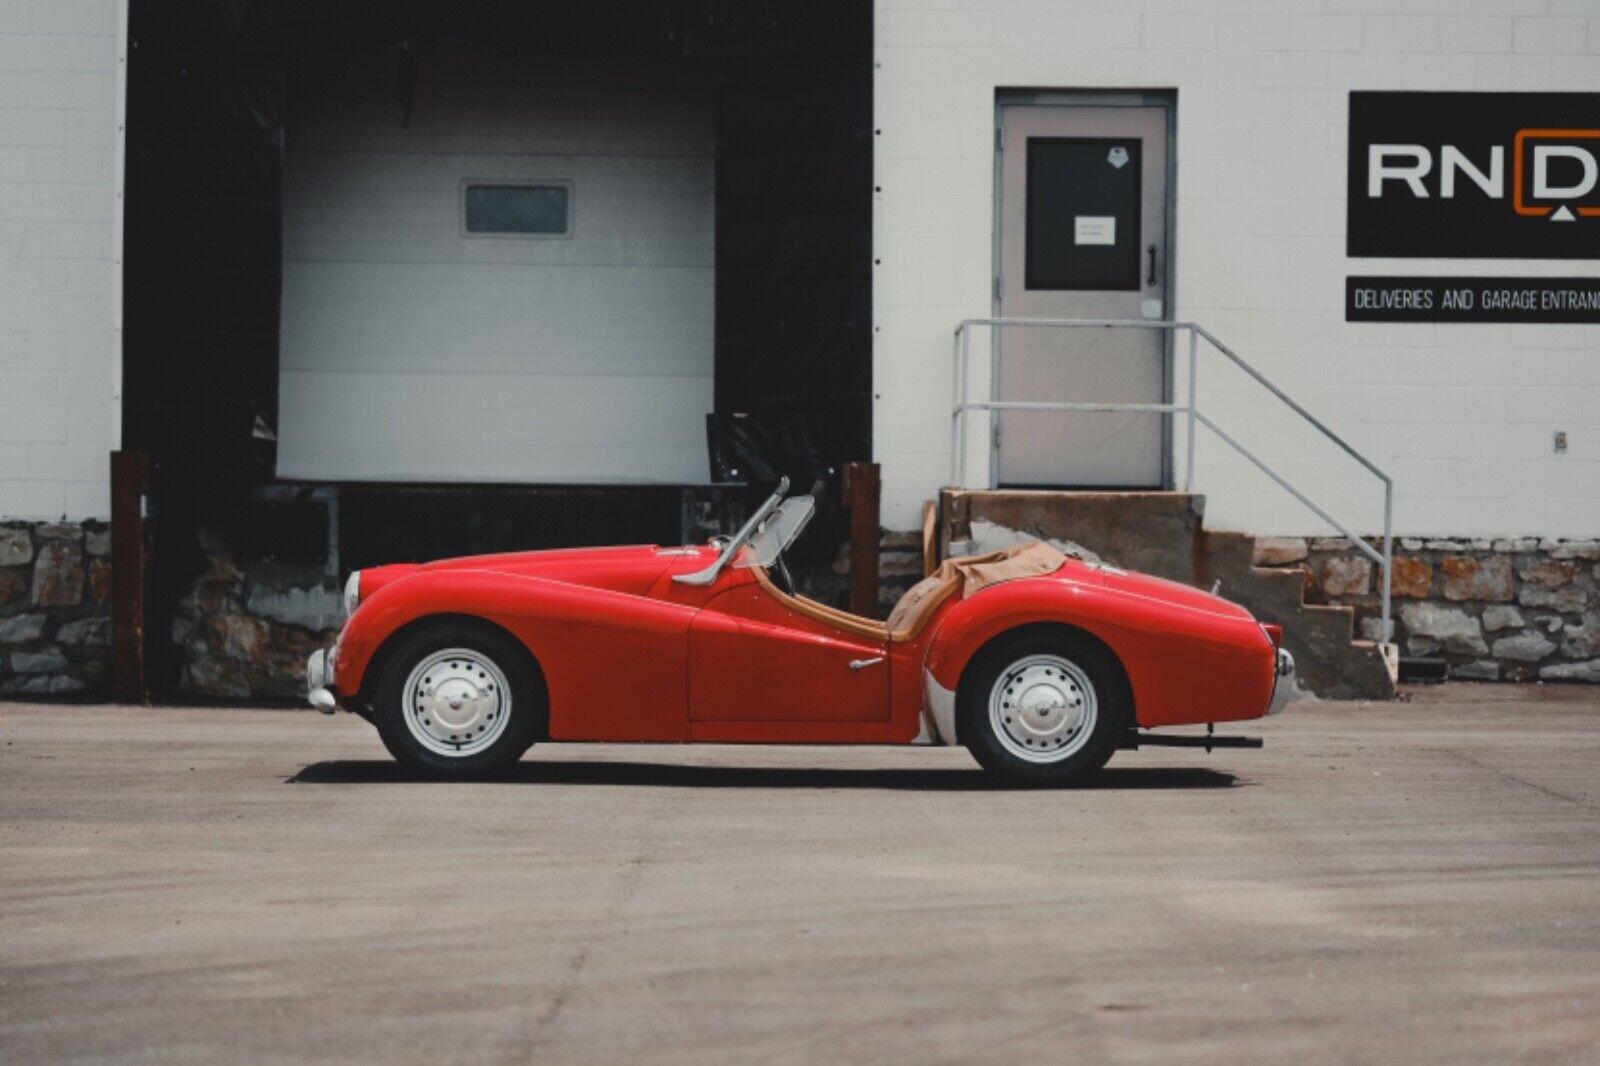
(1043, 708)
(457, 702)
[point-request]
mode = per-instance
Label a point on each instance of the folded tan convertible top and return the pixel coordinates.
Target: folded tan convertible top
(970, 574)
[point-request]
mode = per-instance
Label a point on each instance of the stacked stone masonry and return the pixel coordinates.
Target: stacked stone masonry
(899, 567)
(245, 631)
(55, 609)
(1509, 609)
(1505, 609)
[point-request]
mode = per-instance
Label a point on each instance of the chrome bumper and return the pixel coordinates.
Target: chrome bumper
(319, 680)
(1282, 682)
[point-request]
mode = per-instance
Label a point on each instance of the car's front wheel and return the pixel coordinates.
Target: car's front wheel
(458, 699)
(1043, 707)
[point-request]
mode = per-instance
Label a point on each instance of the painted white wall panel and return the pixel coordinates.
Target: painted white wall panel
(410, 351)
(58, 338)
(1462, 415)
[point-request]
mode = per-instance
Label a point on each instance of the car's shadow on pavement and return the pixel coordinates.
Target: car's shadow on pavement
(670, 775)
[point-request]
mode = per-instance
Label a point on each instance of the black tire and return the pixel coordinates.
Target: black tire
(1112, 703)
(525, 716)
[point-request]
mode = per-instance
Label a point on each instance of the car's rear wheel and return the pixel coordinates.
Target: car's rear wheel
(1043, 707)
(458, 698)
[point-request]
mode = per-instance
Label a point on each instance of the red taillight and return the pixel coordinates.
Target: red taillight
(1274, 634)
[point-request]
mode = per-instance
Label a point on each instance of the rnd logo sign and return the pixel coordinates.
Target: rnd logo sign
(1474, 175)
(1539, 152)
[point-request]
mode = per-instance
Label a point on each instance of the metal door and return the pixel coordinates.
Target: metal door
(1082, 233)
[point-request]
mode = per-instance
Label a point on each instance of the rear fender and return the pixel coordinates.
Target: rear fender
(1183, 664)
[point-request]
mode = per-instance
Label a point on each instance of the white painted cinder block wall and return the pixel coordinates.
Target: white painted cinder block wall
(1462, 416)
(59, 346)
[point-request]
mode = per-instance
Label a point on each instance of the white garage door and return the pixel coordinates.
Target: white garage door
(561, 333)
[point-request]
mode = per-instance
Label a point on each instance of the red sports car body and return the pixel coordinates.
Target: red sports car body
(1042, 664)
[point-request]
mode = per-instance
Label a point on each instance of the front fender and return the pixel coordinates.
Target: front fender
(629, 649)
(494, 596)
(1184, 664)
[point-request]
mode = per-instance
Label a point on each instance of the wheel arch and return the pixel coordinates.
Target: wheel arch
(372, 676)
(1055, 628)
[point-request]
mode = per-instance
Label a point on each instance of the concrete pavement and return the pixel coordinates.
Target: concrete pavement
(1416, 881)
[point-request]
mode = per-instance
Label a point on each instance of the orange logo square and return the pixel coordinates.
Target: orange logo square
(1517, 184)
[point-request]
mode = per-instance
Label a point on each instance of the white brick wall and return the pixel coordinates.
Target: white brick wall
(1462, 416)
(58, 342)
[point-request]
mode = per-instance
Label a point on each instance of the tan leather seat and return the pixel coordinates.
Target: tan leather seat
(917, 606)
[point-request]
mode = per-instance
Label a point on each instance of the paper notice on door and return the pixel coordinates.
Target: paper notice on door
(1094, 229)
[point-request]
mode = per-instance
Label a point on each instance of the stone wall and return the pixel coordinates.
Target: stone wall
(55, 609)
(899, 567)
(1507, 609)
(245, 630)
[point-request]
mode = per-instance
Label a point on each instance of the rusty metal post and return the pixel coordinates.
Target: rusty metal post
(861, 489)
(930, 537)
(130, 484)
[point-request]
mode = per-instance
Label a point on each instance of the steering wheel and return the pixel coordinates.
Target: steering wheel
(779, 572)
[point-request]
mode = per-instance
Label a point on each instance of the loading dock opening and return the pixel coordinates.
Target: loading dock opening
(262, 263)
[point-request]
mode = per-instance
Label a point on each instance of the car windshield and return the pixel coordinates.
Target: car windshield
(778, 532)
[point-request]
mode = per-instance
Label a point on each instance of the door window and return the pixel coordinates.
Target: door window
(1082, 228)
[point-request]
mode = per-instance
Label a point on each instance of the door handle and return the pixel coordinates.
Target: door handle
(1151, 280)
(862, 664)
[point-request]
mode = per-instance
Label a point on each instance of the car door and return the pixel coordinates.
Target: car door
(754, 658)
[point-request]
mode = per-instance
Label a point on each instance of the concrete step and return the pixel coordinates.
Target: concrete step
(1227, 552)
(1278, 593)
(1320, 637)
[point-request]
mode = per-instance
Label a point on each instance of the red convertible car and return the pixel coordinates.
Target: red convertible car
(1040, 664)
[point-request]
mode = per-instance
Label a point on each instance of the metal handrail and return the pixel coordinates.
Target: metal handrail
(964, 406)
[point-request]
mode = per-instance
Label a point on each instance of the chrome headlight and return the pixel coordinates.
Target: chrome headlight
(352, 593)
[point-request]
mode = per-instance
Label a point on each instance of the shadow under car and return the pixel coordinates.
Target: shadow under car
(677, 775)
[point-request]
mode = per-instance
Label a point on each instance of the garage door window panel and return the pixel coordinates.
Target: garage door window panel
(516, 209)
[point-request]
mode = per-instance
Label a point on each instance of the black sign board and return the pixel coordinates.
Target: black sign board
(1474, 175)
(1397, 299)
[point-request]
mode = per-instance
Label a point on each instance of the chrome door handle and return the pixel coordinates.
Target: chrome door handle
(862, 664)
